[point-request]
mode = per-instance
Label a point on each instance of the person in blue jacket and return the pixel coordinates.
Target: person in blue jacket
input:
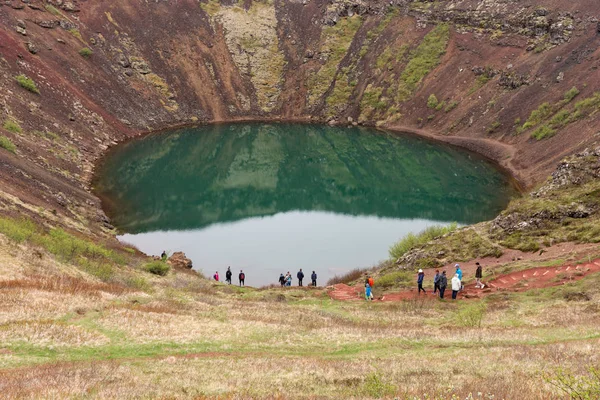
(313, 278)
(420, 278)
(460, 275)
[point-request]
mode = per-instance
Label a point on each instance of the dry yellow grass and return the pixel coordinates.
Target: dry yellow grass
(67, 335)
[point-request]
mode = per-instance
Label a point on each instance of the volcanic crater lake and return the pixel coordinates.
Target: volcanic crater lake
(272, 198)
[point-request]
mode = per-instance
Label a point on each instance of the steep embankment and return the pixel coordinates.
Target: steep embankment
(496, 77)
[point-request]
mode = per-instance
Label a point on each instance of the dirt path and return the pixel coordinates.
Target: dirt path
(518, 281)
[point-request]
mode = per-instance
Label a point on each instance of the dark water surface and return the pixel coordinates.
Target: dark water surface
(272, 198)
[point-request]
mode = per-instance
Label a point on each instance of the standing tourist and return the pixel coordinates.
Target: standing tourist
(478, 276)
(288, 279)
(371, 284)
(242, 278)
(313, 278)
(436, 281)
(460, 275)
(442, 284)
(216, 276)
(282, 280)
(368, 294)
(300, 276)
(228, 275)
(456, 285)
(420, 278)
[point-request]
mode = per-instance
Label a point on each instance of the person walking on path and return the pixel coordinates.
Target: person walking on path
(313, 278)
(442, 283)
(460, 275)
(369, 281)
(282, 280)
(242, 278)
(300, 276)
(478, 276)
(456, 285)
(436, 281)
(420, 278)
(368, 294)
(216, 276)
(228, 275)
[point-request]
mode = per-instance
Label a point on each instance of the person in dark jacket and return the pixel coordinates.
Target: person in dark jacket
(228, 275)
(478, 276)
(313, 278)
(436, 281)
(300, 276)
(242, 278)
(420, 278)
(443, 282)
(282, 280)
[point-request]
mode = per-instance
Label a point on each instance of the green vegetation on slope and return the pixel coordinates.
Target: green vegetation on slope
(561, 116)
(336, 42)
(92, 258)
(423, 60)
(412, 241)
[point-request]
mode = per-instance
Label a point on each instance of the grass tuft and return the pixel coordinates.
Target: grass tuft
(7, 144)
(85, 52)
(27, 83)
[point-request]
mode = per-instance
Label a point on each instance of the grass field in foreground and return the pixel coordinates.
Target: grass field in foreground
(184, 337)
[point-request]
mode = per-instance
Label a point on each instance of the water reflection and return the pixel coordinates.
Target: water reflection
(193, 178)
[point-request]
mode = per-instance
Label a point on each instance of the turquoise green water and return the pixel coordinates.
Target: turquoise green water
(269, 198)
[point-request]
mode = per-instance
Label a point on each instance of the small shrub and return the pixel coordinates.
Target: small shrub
(451, 106)
(571, 94)
(560, 119)
(538, 115)
(432, 101)
(85, 52)
(157, 268)
(27, 83)
(375, 386)
(471, 315)
(6, 144)
(12, 126)
(543, 132)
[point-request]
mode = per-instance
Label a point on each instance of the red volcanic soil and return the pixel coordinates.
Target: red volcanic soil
(518, 281)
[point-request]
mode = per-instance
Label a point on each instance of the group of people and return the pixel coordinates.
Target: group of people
(283, 280)
(286, 280)
(440, 281)
(229, 275)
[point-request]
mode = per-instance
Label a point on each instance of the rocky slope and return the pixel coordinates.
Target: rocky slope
(510, 79)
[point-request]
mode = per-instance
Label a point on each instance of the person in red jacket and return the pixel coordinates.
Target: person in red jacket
(216, 276)
(242, 277)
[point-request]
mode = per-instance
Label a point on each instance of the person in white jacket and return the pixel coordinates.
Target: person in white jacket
(455, 286)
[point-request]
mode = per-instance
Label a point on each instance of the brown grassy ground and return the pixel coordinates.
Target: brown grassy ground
(183, 337)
